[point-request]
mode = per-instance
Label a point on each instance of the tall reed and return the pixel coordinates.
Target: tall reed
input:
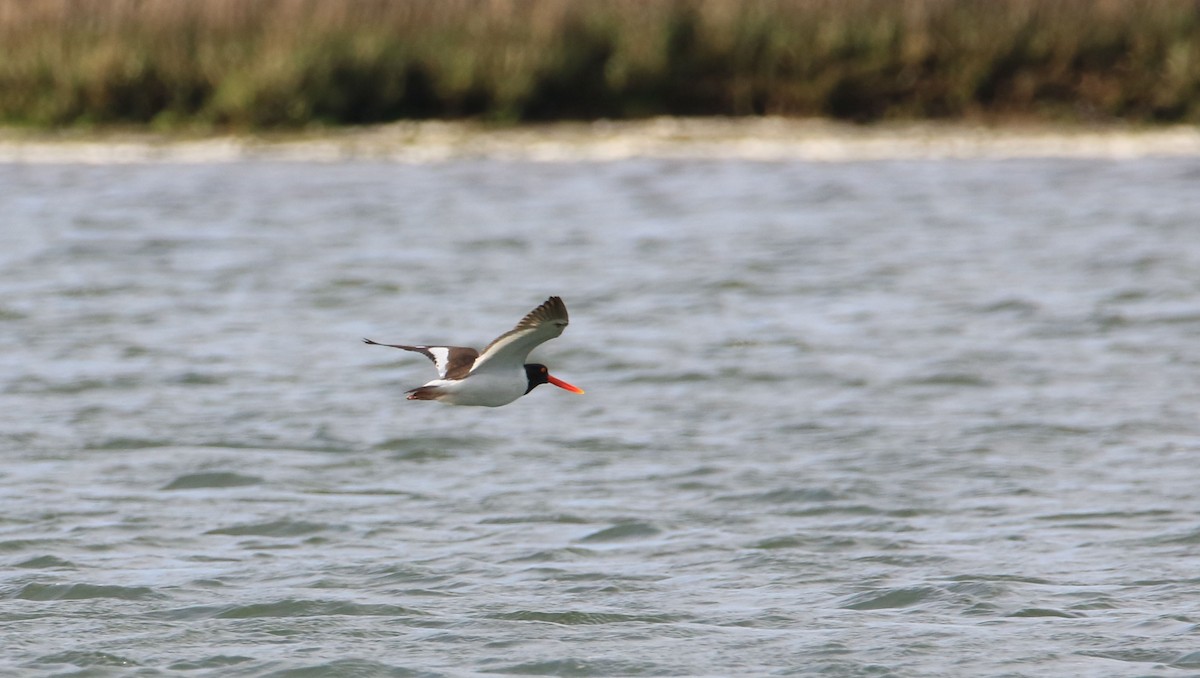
(264, 63)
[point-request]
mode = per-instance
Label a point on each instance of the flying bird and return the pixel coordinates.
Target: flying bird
(498, 375)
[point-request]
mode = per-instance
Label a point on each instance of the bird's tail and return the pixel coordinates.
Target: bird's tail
(423, 393)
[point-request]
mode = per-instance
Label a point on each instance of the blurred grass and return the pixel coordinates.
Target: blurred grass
(285, 63)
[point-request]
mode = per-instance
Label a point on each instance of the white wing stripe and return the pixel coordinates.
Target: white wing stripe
(441, 358)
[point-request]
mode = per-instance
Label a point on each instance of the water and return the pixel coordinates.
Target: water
(889, 418)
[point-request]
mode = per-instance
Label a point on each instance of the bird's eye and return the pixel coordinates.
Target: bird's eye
(543, 370)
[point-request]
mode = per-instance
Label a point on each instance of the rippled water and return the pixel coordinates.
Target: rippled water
(900, 418)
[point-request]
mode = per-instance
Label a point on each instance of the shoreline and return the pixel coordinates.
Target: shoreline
(749, 139)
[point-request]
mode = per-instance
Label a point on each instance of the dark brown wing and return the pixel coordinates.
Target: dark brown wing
(509, 350)
(452, 362)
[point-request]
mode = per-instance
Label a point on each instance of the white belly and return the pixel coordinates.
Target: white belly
(486, 389)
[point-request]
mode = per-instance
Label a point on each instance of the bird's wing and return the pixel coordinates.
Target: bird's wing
(509, 350)
(452, 362)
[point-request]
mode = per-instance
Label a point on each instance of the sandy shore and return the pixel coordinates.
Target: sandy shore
(765, 139)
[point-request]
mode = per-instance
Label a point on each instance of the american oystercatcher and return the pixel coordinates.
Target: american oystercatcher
(499, 375)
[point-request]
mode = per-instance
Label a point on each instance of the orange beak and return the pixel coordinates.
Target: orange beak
(563, 385)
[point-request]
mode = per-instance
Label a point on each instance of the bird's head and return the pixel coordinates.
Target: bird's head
(539, 374)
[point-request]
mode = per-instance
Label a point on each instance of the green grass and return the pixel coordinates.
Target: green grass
(288, 63)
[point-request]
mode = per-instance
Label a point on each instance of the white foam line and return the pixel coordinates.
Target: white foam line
(761, 139)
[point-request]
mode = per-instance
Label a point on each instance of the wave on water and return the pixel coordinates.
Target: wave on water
(755, 139)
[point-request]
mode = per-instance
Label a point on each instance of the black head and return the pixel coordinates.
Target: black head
(537, 374)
